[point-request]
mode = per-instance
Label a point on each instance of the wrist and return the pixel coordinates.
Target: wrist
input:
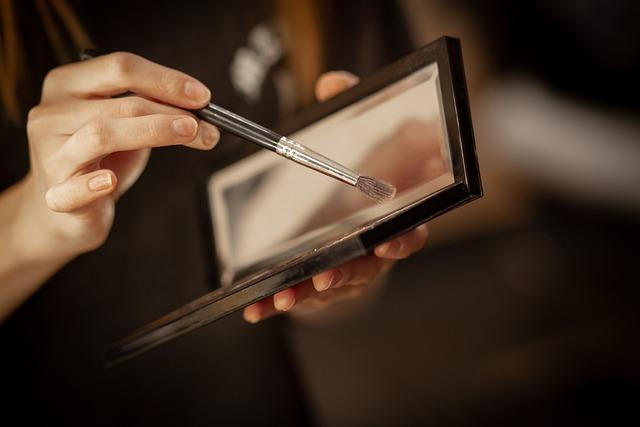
(26, 258)
(30, 241)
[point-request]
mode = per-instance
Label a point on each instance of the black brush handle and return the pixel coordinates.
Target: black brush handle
(239, 126)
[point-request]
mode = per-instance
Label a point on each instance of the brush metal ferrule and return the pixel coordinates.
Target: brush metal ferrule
(306, 157)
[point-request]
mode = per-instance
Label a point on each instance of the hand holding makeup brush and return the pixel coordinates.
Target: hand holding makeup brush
(86, 149)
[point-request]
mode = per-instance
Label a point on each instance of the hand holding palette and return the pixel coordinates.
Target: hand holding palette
(276, 224)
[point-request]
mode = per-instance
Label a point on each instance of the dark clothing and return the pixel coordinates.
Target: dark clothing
(152, 263)
(156, 257)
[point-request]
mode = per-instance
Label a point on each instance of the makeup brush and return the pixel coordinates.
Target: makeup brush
(246, 129)
(371, 187)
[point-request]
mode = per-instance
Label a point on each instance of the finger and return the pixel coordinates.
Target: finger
(259, 310)
(332, 83)
(404, 245)
(207, 138)
(278, 303)
(287, 299)
(120, 72)
(69, 116)
(358, 271)
(320, 300)
(80, 191)
(327, 279)
(101, 137)
(306, 298)
(363, 270)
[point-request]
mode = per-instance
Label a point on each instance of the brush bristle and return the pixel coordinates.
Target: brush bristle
(375, 189)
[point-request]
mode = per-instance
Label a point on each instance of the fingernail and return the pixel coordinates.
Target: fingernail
(252, 317)
(285, 303)
(210, 135)
(185, 126)
(391, 249)
(323, 285)
(197, 91)
(334, 279)
(350, 78)
(100, 182)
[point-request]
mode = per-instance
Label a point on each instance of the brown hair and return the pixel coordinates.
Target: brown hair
(300, 20)
(9, 59)
(12, 56)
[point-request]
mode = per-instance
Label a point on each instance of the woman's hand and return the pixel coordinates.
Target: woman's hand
(352, 279)
(87, 148)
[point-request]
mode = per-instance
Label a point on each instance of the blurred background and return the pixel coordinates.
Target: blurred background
(524, 307)
(522, 310)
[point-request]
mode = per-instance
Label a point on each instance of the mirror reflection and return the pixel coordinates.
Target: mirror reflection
(266, 209)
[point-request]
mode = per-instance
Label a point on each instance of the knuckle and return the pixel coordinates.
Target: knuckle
(152, 129)
(164, 83)
(93, 136)
(122, 64)
(132, 107)
(94, 128)
(34, 113)
(34, 121)
(55, 200)
(51, 78)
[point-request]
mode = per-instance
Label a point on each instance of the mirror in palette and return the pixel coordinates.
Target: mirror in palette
(266, 209)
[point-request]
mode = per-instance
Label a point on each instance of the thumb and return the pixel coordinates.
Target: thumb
(332, 83)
